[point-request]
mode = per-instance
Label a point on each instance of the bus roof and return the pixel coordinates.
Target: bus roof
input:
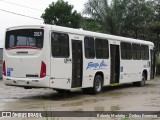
(84, 32)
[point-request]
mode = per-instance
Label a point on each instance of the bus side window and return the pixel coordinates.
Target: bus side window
(136, 51)
(89, 47)
(126, 52)
(102, 51)
(60, 45)
(145, 52)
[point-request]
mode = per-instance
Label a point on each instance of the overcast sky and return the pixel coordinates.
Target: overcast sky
(8, 19)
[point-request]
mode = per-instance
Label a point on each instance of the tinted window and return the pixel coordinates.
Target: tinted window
(89, 47)
(60, 45)
(145, 52)
(24, 37)
(126, 51)
(11, 41)
(136, 51)
(101, 48)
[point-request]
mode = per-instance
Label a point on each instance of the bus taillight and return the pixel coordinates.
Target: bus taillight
(4, 68)
(43, 70)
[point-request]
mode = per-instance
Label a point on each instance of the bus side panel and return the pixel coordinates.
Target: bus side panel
(130, 70)
(93, 66)
(61, 69)
(90, 71)
(60, 74)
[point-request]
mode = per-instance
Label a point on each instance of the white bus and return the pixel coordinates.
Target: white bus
(48, 56)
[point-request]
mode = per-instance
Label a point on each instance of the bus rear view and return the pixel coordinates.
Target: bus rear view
(65, 59)
(24, 61)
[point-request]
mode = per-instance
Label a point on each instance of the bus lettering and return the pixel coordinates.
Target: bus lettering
(96, 66)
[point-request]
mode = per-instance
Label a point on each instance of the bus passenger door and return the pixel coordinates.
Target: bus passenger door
(152, 65)
(115, 64)
(77, 63)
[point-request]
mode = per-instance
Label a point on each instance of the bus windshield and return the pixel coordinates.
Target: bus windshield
(24, 38)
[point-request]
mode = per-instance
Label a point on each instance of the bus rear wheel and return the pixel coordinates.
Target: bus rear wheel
(98, 84)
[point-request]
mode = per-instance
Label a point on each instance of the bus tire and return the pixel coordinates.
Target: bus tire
(98, 84)
(142, 82)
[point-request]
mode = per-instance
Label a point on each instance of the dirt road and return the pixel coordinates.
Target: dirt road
(120, 98)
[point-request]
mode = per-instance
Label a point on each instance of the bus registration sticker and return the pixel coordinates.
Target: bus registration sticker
(9, 71)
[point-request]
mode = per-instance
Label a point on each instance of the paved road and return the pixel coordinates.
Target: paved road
(120, 98)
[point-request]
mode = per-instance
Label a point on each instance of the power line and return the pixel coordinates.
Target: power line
(20, 14)
(22, 6)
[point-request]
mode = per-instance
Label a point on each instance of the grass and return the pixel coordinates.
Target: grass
(126, 118)
(50, 115)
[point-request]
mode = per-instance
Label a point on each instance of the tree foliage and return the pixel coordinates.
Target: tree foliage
(138, 14)
(91, 25)
(109, 16)
(138, 19)
(155, 23)
(62, 14)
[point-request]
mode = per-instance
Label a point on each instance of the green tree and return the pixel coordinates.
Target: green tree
(91, 25)
(154, 25)
(137, 15)
(108, 16)
(62, 14)
(129, 18)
